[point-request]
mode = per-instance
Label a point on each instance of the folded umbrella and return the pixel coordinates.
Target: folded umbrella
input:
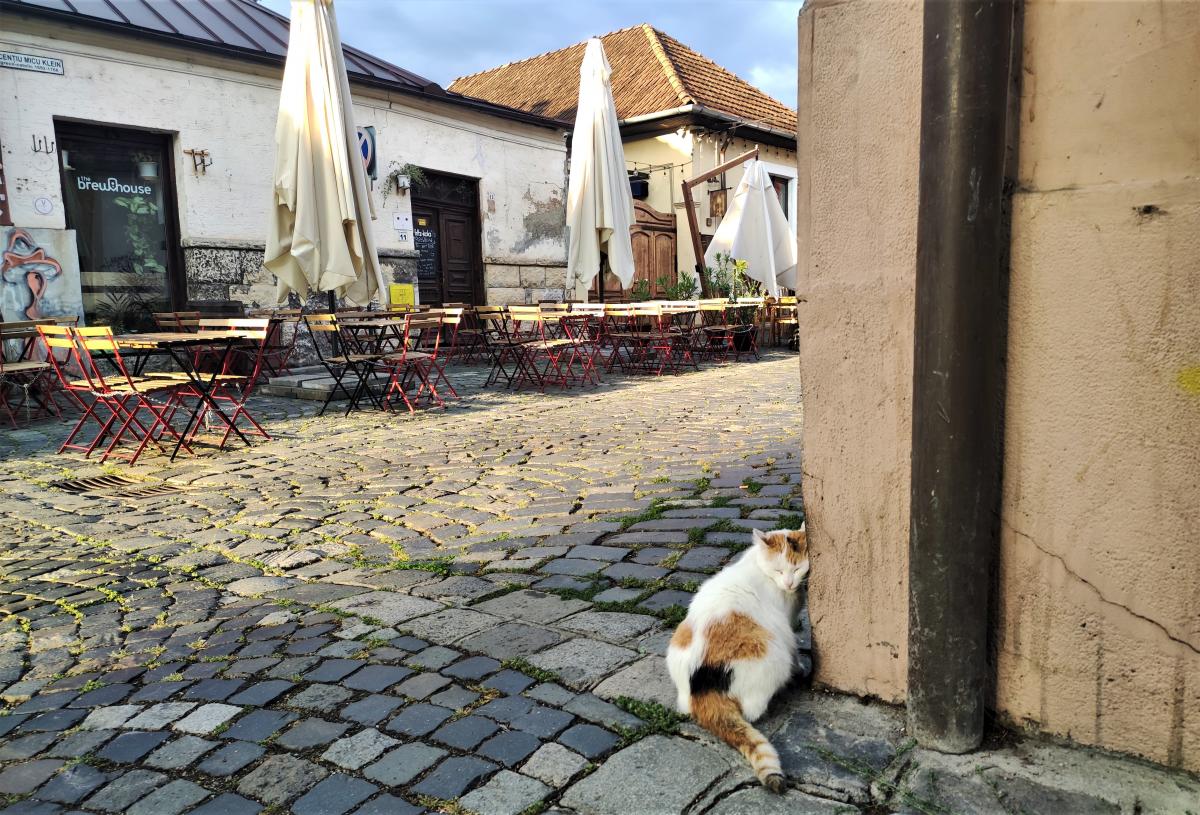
(599, 201)
(319, 236)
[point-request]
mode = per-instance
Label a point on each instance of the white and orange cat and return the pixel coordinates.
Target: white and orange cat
(737, 645)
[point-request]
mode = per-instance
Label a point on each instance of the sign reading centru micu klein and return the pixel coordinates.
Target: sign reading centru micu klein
(31, 62)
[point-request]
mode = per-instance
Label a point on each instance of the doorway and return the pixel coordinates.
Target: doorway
(652, 237)
(119, 197)
(446, 232)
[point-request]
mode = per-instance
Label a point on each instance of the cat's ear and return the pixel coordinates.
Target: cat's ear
(759, 538)
(801, 529)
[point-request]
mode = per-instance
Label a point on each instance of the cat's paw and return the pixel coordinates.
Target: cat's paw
(776, 783)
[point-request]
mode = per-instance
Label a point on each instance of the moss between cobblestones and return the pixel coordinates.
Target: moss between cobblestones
(529, 669)
(442, 805)
(658, 719)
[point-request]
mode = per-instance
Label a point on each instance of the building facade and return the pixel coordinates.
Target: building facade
(681, 115)
(141, 152)
(1095, 626)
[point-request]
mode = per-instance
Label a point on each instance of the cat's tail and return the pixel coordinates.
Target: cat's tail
(722, 715)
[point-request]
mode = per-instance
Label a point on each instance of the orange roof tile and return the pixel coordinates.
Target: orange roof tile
(651, 72)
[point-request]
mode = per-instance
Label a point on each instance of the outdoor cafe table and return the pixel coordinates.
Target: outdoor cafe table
(177, 344)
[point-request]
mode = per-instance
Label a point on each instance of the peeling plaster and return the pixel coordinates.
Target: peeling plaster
(545, 223)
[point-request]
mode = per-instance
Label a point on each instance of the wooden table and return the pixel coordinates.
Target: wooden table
(176, 343)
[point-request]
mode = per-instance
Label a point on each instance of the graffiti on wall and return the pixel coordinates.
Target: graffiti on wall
(39, 272)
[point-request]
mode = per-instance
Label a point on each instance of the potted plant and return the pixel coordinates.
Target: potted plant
(401, 177)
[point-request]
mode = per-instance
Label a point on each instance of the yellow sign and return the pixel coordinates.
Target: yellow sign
(402, 294)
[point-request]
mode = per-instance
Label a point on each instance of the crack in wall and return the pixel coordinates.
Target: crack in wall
(1097, 592)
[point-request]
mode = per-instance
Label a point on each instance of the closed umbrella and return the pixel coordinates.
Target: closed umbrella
(319, 238)
(599, 203)
(755, 230)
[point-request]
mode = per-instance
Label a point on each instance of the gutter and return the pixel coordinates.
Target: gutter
(970, 66)
(711, 113)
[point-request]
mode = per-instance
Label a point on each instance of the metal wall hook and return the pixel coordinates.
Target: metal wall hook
(42, 144)
(201, 160)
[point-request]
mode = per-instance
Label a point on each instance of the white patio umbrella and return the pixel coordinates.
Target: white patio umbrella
(319, 238)
(599, 203)
(755, 230)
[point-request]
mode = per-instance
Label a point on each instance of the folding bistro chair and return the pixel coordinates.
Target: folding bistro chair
(61, 354)
(126, 396)
(409, 365)
(236, 381)
(501, 347)
(541, 352)
(338, 365)
(23, 374)
(583, 331)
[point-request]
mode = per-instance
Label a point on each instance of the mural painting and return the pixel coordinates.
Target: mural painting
(39, 275)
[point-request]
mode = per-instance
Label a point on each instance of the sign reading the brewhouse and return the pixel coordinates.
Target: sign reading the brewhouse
(112, 185)
(31, 62)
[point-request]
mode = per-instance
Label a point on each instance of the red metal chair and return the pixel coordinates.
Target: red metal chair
(236, 381)
(126, 396)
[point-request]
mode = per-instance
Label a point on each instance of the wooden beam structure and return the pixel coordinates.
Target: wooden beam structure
(689, 204)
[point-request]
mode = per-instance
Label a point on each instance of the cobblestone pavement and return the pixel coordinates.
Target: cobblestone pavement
(460, 611)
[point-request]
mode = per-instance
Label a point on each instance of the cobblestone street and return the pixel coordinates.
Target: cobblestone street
(458, 611)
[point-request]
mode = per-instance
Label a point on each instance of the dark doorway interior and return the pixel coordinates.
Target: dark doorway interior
(119, 197)
(446, 231)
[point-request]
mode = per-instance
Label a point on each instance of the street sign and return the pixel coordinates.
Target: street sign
(366, 145)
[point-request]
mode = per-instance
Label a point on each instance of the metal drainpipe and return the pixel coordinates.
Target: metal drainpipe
(958, 366)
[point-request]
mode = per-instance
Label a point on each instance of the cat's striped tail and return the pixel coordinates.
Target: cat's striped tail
(721, 714)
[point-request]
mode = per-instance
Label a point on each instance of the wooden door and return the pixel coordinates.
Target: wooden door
(458, 257)
(652, 236)
(447, 233)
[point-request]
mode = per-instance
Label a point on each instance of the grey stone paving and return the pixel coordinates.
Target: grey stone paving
(454, 611)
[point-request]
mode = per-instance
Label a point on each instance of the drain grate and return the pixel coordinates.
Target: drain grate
(115, 486)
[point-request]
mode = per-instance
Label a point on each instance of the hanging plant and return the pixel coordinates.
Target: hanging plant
(396, 171)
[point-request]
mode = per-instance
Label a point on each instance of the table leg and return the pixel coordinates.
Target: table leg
(205, 397)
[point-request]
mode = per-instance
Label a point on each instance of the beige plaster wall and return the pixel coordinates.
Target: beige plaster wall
(1098, 635)
(860, 71)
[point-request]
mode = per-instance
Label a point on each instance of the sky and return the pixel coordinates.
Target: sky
(444, 39)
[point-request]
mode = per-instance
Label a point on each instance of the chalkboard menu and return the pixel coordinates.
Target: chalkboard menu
(425, 239)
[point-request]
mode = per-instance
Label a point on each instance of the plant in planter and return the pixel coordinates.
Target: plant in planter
(397, 171)
(685, 289)
(640, 291)
(132, 306)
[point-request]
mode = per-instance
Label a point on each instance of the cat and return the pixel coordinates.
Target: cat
(737, 646)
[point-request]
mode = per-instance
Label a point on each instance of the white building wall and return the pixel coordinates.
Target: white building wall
(229, 109)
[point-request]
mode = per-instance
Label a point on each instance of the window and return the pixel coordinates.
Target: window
(120, 202)
(780, 183)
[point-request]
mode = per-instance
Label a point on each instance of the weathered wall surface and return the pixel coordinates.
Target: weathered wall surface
(1098, 634)
(229, 108)
(860, 71)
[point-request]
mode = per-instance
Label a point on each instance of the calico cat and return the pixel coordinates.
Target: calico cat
(737, 646)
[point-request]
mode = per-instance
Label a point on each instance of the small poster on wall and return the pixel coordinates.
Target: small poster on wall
(39, 274)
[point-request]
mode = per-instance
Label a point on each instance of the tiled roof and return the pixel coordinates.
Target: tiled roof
(651, 73)
(234, 25)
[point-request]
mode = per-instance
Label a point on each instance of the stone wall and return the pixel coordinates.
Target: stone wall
(513, 284)
(234, 272)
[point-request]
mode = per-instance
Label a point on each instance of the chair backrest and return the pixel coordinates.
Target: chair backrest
(254, 328)
(100, 339)
(423, 331)
(452, 315)
(525, 313)
(595, 309)
(61, 351)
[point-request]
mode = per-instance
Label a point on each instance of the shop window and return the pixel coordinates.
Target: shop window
(119, 199)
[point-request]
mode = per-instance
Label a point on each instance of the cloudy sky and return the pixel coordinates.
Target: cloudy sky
(443, 39)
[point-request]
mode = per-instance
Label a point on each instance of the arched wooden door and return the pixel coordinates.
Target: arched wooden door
(653, 238)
